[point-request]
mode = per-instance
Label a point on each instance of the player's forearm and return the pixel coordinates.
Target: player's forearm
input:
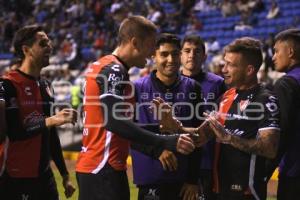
(131, 131)
(49, 122)
(56, 152)
(263, 147)
(149, 150)
(125, 128)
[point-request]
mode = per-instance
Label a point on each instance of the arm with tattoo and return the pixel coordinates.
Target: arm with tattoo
(266, 144)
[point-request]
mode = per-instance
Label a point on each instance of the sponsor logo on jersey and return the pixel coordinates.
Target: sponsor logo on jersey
(237, 132)
(27, 91)
(33, 118)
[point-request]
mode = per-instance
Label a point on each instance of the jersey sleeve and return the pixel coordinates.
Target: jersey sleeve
(271, 114)
(112, 80)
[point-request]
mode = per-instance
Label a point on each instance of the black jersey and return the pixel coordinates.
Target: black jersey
(247, 112)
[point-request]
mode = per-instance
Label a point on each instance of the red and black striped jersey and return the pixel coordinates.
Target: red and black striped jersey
(27, 104)
(107, 76)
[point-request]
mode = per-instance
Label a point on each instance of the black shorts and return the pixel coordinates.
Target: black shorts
(288, 188)
(108, 184)
(160, 192)
(43, 187)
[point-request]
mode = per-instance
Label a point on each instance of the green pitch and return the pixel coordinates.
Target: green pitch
(133, 190)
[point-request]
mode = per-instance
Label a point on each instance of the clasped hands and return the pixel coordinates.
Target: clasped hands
(168, 123)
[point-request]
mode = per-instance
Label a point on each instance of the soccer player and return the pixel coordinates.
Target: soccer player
(192, 58)
(246, 126)
(168, 175)
(101, 167)
(30, 129)
(287, 59)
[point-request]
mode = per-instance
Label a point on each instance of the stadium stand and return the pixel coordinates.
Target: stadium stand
(82, 31)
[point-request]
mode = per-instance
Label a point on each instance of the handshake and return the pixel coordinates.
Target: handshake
(189, 138)
(168, 124)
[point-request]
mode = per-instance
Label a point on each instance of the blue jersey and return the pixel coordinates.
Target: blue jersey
(213, 87)
(183, 93)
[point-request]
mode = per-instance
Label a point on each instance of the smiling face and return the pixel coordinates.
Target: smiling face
(39, 53)
(234, 70)
(167, 60)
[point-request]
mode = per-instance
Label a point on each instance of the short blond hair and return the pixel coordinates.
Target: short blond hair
(135, 26)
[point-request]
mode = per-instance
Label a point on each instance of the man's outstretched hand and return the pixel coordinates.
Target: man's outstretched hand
(168, 123)
(66, 115)
(163, 112)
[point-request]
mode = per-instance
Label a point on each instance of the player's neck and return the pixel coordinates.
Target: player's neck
(292, 64)
(124, 55)
(248, 84)
(190, 73)
(166, 80)
(30, 68)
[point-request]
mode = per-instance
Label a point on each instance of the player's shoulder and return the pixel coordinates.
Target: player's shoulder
(286, 82)
(189, 82)
(211, 77)
(143, 80)
(264, 94)
(107, 63)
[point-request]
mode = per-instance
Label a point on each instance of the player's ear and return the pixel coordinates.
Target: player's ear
(26, 50)
(250, 70)
(134, 42)
(291, 52)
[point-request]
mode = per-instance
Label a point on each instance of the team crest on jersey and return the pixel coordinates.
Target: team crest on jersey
(243, 104)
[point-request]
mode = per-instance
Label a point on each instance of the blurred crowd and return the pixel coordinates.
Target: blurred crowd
(82, 31)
